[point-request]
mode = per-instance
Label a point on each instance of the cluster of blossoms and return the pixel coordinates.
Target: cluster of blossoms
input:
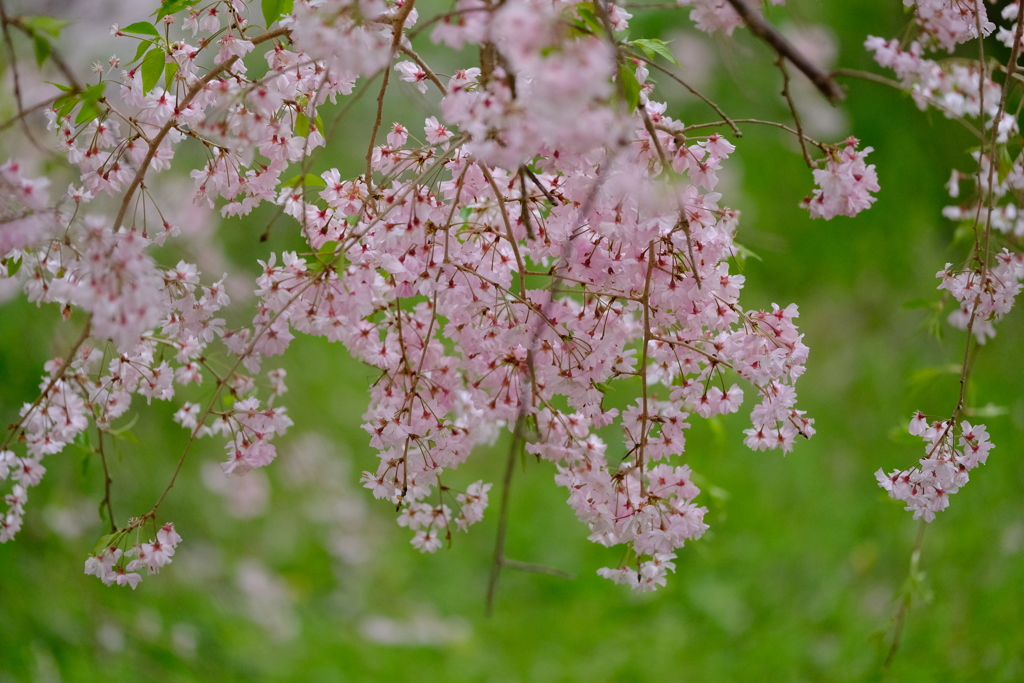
(947, 23)
(986, 287)
(844, 184)
(113, 565)
(949, 455)
(542, 240)
(553, 231)
(984, 295)
(957, 90)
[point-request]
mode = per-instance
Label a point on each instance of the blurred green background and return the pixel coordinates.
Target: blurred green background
(295, 573)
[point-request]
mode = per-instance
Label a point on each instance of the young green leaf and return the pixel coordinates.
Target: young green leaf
(42, 48)
(173, 6)
(141, 27)
(152, 67)
(275, 9)
(12, 266)
(169, 71)
(653, 46)
(301, 125)
(305, 180)
(45, 25)
(108, 541)
(630, 86)
(141, 50)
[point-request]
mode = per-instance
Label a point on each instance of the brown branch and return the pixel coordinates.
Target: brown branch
(760, 27)
(376, 127)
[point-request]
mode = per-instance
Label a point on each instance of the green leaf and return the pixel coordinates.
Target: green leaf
(630, 86)
(12, 266)
(65, 105)
(45, 25)
(301, 125)
(130, 436)
(587, 18)
(899, 435)
(143, 46)
(275, 9)
(653, 46)
(142, 27)
(152, 67)
(935, 327)
(90, 110)
(42, 47)
(108, 541)
(742, 254)
(305, 180)
(60, 86)
(964, 233)
(173, 6)
(928, 374)
(169, 71)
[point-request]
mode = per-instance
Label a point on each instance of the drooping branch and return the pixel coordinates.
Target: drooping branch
(765, 31)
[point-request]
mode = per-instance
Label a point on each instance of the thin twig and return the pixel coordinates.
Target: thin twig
(654, 138)
(718, 110)
(506, 490)
(537, 568)
(901, 616)
(54, 56)
(33, 109)
(781, 63)
(107, 481)
(397, 26)
(376, 127)
(765, 31)
(408, 51)
(5, 23)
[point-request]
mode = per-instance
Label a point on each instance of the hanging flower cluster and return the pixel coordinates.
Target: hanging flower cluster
(547, 231)
(985, 287)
